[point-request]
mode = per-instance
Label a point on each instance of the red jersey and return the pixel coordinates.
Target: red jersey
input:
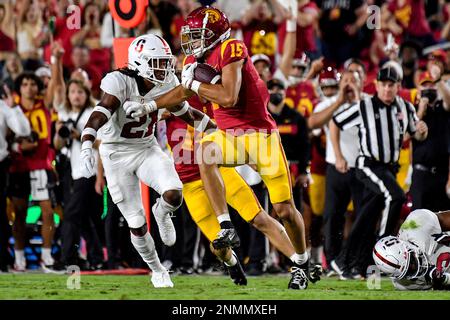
(260, 37)
(411, 16)
(302, 97)
(183, 141)
(250, 111)
(42, 157)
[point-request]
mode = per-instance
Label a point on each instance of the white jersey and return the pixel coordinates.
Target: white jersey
(418, 228)
(127, 131)
(349, 139)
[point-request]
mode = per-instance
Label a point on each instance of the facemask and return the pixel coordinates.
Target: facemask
(276, 98)
(431, 94)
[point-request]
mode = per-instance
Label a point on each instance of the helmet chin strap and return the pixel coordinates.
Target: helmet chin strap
(202, 50)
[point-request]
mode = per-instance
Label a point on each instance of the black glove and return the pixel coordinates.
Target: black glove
(437, 278)
(442, 238)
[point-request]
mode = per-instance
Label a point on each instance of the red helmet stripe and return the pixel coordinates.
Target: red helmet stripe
(379, 256)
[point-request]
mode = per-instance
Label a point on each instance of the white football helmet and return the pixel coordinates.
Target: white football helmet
(151, 56)
(400, 259)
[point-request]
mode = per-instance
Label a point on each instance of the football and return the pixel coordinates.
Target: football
(205, 73)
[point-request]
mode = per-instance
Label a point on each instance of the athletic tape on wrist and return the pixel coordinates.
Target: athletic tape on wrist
(182, 111)
(151, 106)
(89, 131)
(203, 124)
(195, 86)
(103, 110)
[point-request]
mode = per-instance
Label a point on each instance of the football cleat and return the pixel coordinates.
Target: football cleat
(165, 226)
(340, 271)
(237, 273)
(226, 238)
(299, 279)
(161, 280)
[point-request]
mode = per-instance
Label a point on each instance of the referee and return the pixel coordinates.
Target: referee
(383, 121)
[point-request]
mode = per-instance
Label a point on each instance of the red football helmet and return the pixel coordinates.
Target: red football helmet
(203, 29)
(329, 77)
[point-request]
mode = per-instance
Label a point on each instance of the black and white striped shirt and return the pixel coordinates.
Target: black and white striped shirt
(381, 127)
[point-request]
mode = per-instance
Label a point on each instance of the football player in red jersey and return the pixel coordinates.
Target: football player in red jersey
(247, 134)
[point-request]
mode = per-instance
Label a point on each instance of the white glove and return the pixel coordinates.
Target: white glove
(137, 110)
(187, 77)
(88, 160)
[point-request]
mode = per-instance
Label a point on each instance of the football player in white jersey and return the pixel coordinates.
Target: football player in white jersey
(129, 150)
(419, 257)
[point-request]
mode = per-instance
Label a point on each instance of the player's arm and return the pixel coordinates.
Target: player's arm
(226, 93)
(195, 118)
(101, 115)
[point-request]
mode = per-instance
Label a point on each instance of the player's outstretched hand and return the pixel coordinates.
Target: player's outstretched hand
(137, 110)
(88, 160)
(442, 238)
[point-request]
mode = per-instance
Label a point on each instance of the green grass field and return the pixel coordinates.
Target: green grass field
(195, 287)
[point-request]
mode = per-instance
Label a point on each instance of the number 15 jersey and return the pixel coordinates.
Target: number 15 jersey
(125, 130)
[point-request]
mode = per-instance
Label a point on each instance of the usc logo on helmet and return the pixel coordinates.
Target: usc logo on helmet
(213, 15)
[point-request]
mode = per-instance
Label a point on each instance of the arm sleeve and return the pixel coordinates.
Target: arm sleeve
(16, 120)
(114, 84)
(304, 148)
(348, 118)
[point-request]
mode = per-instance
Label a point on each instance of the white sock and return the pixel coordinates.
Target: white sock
(19, 257)
(224, 217)
(299, 258)
(232, 261)
(146, 248)
(46, 256)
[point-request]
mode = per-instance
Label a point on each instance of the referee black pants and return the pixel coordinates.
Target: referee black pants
(382, 196)
(340, 188)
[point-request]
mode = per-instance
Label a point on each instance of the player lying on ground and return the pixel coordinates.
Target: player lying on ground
(419, 257)
(129, 150)
(246, 128)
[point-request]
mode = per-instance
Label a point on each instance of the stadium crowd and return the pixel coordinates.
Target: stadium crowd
(329, 62)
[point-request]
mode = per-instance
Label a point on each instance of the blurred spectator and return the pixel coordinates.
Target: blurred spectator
(431, 157)
(167, 10)
(445, 32)
(260, 25)
(150, 25)
(185, 7)
(410, 51)
(233, 9)
(7, 32)
(406, 18)
(82, 60)
(11, 118)
(308, 15)
(262, 64)
(29, 27)
(294, 135)
(89, 36)
(45, 74)
(81, 201)
(63, 31)
(340, 23)
(13, 67)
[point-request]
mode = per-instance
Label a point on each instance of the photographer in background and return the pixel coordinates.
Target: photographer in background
(431, 156)
(81, 201)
